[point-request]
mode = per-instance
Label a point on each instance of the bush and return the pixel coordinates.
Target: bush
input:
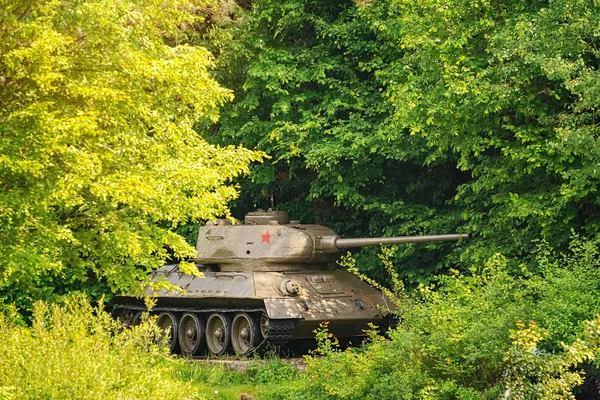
(497, 331)
(462, 337)
(76, 351)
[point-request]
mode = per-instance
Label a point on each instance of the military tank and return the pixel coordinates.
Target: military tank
(266, 282)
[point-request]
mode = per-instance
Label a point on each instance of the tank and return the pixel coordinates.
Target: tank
(265, 282)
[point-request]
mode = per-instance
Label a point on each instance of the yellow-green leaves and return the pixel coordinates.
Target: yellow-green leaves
(99, 157)
(74, 352)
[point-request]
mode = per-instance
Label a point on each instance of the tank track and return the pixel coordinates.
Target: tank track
(279, 334)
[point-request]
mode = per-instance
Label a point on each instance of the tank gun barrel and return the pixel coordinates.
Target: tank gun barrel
(360, 242)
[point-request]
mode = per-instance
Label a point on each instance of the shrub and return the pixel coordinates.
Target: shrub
(457, 337)
(534, 374)
(76, 351)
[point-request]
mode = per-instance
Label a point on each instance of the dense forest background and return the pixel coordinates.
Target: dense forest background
(126, 123)
(400, 117)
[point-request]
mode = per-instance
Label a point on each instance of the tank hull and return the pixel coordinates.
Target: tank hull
(294, 301)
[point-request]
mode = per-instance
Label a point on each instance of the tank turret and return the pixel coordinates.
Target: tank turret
(269, 241)
(266, 283)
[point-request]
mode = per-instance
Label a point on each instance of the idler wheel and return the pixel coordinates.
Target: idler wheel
(218, 333)
(168, 322)
(244, 334)
(191, 334)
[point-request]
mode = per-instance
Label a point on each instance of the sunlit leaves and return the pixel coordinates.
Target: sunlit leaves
(99, 158)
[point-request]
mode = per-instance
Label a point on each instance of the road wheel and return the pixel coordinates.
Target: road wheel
(137, 318)
(191, 335)
(218, 333)
(244, 334)
(169, 323)
(127, 316)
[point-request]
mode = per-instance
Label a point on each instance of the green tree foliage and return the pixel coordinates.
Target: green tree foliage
(508, 91)
(98, 158)
(426, 116)
(302, 96)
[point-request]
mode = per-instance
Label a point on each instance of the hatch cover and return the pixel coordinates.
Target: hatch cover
(325, 284)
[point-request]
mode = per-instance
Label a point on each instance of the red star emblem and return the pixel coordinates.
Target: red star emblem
(266, 237)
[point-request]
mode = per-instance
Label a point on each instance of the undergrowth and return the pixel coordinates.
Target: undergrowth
(73, 351)
(76, 351)
(531, 332)
(498, 332)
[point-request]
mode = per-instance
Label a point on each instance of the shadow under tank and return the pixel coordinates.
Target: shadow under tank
(266, 282)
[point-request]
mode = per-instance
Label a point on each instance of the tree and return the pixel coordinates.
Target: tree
(508, 91)
(98, 156)
(424, 117)
(306, 79)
